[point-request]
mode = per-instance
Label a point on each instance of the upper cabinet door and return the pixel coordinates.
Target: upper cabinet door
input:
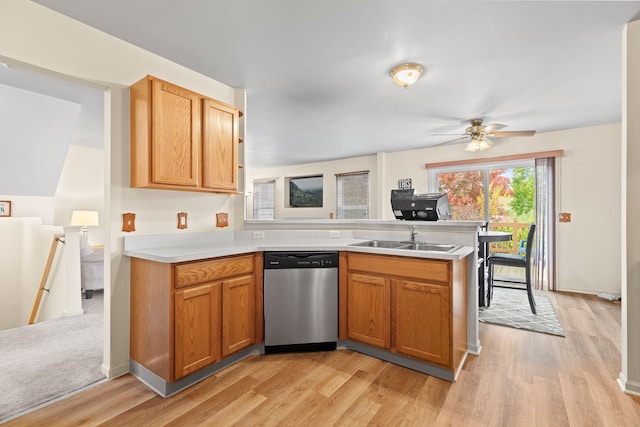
(219, 146)
(175, 142)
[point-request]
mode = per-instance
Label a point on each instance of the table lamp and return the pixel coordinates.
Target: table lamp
(85, 219)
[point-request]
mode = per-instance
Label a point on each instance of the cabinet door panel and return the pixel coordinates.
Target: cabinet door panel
(423, 321)
(238, 314)
(368, 309)
(197, 328)
(175, 147)
(219, 146)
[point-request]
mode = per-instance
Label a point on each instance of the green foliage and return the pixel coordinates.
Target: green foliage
(466, 194)
(508, 197)
(523, 200)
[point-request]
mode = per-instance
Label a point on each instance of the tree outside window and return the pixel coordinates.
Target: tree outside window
(510, 194)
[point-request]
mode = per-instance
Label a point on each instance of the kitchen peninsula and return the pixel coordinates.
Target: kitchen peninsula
(197, 299)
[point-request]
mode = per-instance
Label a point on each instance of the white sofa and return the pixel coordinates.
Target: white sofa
(91, 268)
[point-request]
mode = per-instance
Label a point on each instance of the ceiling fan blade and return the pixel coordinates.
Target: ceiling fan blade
(452, 140)
(443, 134)
(493, 127)
(513, 133)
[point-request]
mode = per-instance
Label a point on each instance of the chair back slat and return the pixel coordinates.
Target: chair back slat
(532, 231)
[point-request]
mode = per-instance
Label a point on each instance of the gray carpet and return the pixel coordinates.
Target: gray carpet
(46, 360)
(510, 307)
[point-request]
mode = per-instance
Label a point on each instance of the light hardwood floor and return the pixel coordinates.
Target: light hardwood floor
(520, 379)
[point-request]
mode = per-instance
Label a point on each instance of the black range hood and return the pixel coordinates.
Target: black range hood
(408, 205)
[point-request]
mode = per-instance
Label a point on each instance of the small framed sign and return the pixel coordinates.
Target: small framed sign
(405, 184)
(5, 208)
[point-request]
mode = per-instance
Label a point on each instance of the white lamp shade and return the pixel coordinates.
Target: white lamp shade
(85, 218)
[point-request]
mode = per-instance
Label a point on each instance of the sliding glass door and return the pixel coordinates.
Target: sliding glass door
(503, 194)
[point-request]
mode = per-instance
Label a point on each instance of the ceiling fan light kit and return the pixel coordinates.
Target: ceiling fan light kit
(478, 133)
(406, 74)
(478, 144)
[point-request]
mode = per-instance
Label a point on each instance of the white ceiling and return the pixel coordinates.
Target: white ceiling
(317, 72)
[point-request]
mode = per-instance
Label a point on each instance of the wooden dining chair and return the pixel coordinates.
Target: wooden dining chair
(515, 260)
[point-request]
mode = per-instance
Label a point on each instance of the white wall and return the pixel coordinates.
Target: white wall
(629, 378)
(23, 255)
(328, 170)
(31, 206)
(81, 187)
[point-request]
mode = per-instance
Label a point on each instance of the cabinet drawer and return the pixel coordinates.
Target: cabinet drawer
(207, 271)
(432, 270)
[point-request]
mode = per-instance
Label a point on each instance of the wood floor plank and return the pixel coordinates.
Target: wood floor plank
(108, 399)
(334, 408)
(394, 389)
(579, 403)
(547, 400)
(425, 408)
(521, 378)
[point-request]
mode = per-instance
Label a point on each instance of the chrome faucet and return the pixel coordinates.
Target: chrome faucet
(413, 231)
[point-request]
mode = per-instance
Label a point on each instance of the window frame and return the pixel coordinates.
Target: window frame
(255, 208)
(484, 168)
(340, 207)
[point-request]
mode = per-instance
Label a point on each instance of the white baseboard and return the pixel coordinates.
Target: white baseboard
(115, 371)
(629, 387)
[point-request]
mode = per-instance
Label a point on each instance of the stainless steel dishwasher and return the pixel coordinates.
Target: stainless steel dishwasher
(300, 301)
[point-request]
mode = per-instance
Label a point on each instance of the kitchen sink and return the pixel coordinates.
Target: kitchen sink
(434, 247)
(414, 246)
(387, 244)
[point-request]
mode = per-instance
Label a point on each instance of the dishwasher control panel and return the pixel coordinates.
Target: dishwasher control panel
(278, 260)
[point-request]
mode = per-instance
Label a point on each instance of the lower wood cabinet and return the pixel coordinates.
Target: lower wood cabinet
(186, 316)
(369, 309)
(422, 326)
(411, 306)
(238, 314)
(198, 310)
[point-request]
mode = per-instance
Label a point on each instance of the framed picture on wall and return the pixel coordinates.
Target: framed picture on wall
(305, 191)
(5, 208)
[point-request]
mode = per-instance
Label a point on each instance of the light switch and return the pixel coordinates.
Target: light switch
(128, 222)
(182, 220)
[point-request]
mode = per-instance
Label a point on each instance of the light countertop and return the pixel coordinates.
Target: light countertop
(168, 250)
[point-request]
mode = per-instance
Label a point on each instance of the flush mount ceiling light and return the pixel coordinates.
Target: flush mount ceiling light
(406, 74)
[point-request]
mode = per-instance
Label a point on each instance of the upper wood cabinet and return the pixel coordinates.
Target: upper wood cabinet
(181, 140)
(219, 146)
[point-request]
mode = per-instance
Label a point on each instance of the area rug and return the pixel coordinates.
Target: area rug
(50, 359)
(510, 307)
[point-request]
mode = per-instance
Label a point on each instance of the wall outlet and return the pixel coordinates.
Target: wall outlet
(334, 234)
(258, 234)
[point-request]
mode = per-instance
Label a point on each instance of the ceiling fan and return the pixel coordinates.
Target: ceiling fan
(477, 133)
